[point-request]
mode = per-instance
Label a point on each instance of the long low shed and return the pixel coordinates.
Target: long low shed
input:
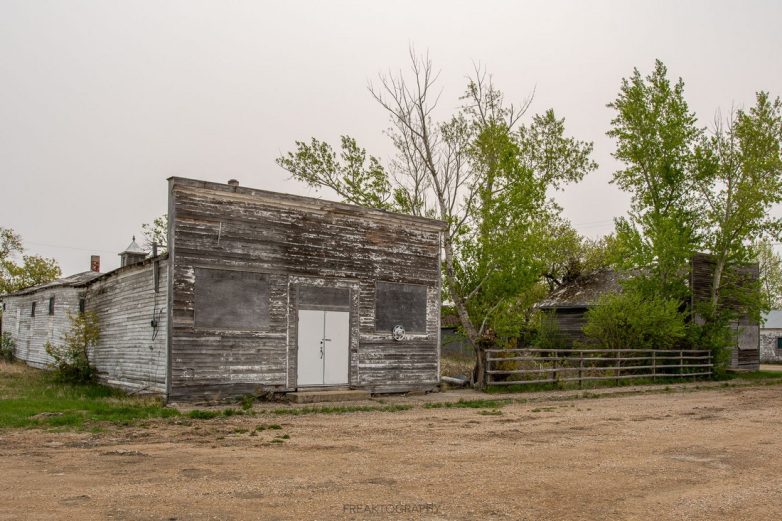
(261, 291)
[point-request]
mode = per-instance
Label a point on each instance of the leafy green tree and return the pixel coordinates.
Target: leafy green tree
(33, 269)
(572, 257)
(770, 265)
(480, 171)
(156, 233)
(740, 179)
(356, 178)
(656, 135)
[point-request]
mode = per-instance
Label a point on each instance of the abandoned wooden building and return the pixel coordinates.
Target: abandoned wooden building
(259, 291)
(569, 304)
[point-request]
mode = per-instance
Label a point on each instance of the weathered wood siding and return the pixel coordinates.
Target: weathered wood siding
(296, 242)
(131, 354)
(570, 322)
(31, 333)
(746, 353)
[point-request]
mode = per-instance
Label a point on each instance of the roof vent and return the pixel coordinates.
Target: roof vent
(233, 182)
(132, 254)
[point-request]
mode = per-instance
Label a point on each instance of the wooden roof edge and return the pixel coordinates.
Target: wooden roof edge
(267, 195)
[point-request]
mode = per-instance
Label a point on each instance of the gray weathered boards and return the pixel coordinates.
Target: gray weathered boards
(243, 262)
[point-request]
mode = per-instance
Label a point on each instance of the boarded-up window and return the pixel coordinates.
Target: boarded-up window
(227, 299)
(400, 305)
(319, 297)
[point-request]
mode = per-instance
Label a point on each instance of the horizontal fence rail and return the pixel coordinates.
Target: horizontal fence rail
(536, 366)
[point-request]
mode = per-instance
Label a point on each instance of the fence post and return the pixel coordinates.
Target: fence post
(580, 369)
(618, 366)
(681, 363)
(554, 372)
(654, 366)
(711, 366)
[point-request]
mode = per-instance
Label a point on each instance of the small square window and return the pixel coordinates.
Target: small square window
(32, 310)
(51, 305)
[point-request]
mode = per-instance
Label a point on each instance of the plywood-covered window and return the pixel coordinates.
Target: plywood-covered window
(231, 300)
(400, 305)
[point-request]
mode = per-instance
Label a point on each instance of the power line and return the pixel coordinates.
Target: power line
(48, 245)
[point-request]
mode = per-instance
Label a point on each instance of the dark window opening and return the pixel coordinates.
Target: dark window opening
(51, 305)
(32, 310)
(82, 305)
(400, 305)
(228, 299)
(779, 342)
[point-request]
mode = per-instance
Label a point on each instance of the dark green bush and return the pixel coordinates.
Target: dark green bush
(629, 321)
(7, 347)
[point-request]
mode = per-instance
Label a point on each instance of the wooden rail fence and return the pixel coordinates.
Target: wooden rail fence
(535, 366)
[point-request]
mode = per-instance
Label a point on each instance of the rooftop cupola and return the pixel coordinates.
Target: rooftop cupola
(132, 254)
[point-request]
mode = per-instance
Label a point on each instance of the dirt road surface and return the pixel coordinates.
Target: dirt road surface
(712, 454)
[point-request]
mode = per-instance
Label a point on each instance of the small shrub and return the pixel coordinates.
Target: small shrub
(630, 321)
(247, 402)
(7, 347)
(72, 360)
(199, 414)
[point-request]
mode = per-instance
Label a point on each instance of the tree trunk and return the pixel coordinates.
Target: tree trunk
(719, 267)
(479, 374)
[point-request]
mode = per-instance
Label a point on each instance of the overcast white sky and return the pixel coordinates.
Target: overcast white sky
(101, 101)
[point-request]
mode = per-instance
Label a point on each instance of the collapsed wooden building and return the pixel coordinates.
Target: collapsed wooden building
(569, 304)
(259, 291)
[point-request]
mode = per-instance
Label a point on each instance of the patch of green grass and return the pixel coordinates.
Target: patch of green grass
(593, 384)
(35, 398)
(493, 412)
(758, 375)
(344, 409)
(468, 404)
(283, 437)
(200, 414)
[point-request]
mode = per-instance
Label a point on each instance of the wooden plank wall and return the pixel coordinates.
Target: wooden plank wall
(32, 333)
(571, 322)
(746, 352)
(296, 241)
(131, 354)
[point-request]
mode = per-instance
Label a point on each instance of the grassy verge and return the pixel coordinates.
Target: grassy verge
(33, 398)
(758, 375)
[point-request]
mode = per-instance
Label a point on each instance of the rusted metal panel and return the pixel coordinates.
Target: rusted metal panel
(299, 243)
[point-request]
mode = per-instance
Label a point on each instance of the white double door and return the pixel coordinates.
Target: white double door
(324, 346)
